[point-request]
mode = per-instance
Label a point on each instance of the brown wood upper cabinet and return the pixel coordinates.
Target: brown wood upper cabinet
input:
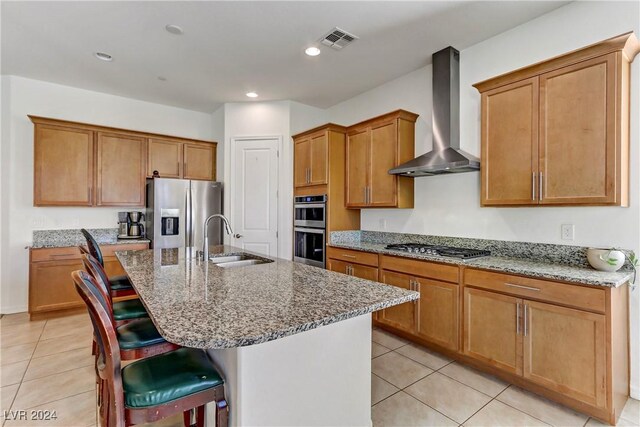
(63, 166)
(310, 159)
(374, 147)
(79, 164)
(178, 159)
(120, 174)
(557, 132)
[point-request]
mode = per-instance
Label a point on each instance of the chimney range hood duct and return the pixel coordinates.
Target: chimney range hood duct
(446, 156)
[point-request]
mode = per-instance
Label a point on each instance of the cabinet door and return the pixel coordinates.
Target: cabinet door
(199, 161)
(338, 266)
(364, 272)
(318, 160)
(357, 270)
(357, 170)
(301, 165)
(577, 133)
(121, 170)
(63, 166)
(383, 187)
(491, 331)
(438, 312)
(51, 286)
(401, 316)
(510, 144)
(565, 351)
(165, 157)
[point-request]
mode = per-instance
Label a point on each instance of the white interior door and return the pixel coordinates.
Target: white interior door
(255, 195)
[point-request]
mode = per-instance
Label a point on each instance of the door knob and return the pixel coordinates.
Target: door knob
(237, 235)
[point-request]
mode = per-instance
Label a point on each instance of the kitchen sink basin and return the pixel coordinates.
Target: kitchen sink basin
(237, 260)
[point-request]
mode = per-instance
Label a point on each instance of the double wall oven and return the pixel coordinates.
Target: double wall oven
(309, 229)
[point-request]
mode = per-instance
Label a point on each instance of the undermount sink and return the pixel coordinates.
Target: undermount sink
(237, 260)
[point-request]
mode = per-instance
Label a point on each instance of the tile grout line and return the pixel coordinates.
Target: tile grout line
(25, 370)
(524, 412)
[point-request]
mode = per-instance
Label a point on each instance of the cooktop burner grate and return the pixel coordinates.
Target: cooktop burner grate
(446, 251)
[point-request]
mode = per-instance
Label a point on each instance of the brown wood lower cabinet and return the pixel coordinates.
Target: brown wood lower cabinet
(567, 342)
(51, 289)
(437, 312)
(491, 329)
(403, 316)
(352, 269)
(565, 350)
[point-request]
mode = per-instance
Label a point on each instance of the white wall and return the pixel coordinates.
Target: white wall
(450, 205)
(261, 119)
(24, 96)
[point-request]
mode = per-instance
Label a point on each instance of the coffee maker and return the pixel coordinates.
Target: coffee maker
(130, 225)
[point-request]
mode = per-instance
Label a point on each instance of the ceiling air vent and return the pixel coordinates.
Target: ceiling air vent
(337, 38)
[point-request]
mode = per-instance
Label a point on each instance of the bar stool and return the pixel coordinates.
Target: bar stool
(120, 285)
(154, 388)
(123, 311)
(137, 338)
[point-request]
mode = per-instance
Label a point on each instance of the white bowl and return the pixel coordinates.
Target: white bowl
(598, 259)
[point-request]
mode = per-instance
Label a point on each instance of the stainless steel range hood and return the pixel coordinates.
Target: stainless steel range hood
(446, 156)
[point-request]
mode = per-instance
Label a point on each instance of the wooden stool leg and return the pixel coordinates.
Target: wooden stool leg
(200, 417)
(222, 413)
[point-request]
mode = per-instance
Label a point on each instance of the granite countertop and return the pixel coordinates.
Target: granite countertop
(201, 305)
(73, 237)
(525, 267)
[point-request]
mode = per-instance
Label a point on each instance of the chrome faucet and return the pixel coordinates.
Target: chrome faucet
(227, 227)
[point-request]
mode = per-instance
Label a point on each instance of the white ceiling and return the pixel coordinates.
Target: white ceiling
(230, 48)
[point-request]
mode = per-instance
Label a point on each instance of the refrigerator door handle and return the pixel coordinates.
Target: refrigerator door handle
(187, 217)
(192, 237)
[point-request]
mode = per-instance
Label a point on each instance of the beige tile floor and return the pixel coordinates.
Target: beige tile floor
(47, 365)
(413, 386)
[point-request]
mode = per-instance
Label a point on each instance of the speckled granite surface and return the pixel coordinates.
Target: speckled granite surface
(73, 237)
(557, 263)
(201, 305)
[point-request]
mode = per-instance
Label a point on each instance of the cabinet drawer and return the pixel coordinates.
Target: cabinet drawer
(349, 255)
(571, 295)
(432, 270)
(55, 254)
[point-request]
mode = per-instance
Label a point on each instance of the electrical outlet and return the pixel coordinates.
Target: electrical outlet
(567, 231)
(382, 224)
(37, 222)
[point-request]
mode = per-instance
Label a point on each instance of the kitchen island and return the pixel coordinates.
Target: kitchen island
(292, 341)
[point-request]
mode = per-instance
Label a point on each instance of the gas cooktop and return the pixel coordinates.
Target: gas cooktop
(446, 251)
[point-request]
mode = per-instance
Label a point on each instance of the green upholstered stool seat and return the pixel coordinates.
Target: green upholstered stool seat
(160, 379)
(138, 333)
(120, 283)
(129, 309)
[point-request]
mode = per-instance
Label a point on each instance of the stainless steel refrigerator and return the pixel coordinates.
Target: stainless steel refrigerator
(177, 209)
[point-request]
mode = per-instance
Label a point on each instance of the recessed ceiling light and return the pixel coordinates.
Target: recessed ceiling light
(174, 29)
(312, 51)
(252, 94)
(103, 56)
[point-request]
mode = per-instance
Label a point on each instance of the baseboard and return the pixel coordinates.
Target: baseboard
(634, 391)
(13, 309)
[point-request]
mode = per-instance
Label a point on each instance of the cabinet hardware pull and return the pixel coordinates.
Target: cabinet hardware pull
(526, 322)
(308, 175)
(349, 256)
(533, 186)
(350, 270)
(529, 288)
(410, 285)
(541, 187)
(518, 319)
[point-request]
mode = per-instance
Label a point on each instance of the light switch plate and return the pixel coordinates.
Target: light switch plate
(567, 231)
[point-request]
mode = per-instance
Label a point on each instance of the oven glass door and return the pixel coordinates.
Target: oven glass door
(309, 215)
(309, 246)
